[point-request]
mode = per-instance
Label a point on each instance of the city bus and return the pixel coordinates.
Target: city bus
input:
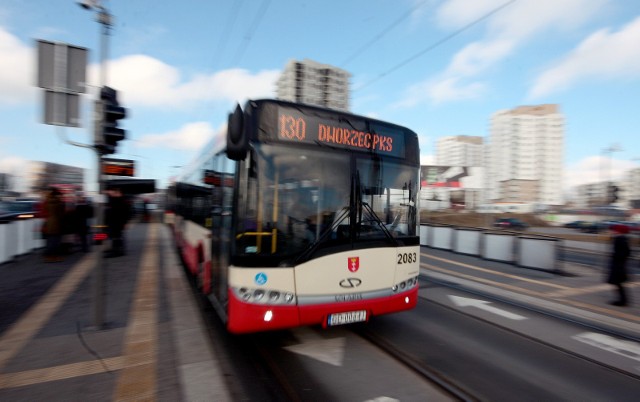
(300, 216)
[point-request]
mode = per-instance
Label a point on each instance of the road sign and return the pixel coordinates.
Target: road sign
(62, 73)
(61, 109)
(61, 67)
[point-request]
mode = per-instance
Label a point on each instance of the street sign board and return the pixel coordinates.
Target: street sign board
(61, 67)
(61, 109)
(62, 73)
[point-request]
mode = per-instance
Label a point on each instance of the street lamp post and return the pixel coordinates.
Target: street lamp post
(104, 18)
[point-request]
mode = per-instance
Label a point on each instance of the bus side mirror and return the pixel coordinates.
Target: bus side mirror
(237, 140)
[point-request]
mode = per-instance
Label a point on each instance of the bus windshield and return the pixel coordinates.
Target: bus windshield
(299, 200)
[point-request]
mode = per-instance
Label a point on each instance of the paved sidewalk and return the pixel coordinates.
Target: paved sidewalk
(153, 344)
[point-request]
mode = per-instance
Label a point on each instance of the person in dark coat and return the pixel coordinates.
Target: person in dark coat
(117, 215)
(618, 263)
(83, 215)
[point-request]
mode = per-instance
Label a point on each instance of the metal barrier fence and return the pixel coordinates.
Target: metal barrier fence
(528, 251)
(19, 237)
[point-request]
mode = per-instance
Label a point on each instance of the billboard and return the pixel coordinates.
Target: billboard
(451, 186)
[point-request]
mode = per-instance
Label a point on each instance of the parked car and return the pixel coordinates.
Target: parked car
(510, 223)
(12, 210)
(575, 224)
(594, 227)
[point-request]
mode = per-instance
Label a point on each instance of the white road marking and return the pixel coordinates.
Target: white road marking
(628, 349)
(329, 351)
(484, 305)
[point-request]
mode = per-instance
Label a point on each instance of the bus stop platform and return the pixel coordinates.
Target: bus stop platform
(148, 342)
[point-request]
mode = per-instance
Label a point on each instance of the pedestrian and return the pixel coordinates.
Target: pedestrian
(53, 209)
(618, 262)
(145, 211)
(117, 215)
(83, 215)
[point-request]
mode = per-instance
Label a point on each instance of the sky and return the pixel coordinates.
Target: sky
(439, 67)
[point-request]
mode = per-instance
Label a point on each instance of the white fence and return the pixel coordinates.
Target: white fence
(19, 237)
(523, 250)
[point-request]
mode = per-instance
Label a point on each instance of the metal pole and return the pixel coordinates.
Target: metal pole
(99, 282)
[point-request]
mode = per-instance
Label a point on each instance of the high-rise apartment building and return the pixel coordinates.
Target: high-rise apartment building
(525, 155)
(314, 83)
(460, 150)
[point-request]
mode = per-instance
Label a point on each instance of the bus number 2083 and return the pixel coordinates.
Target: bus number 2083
(407, 258)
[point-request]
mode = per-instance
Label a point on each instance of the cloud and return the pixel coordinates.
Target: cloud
(17, 73)
(507, 30)
(519, 20)
(142, 80)
(440, 90)
(604, 54)
(12, 164)
(146, 81)
(596, 169)
(190, 137)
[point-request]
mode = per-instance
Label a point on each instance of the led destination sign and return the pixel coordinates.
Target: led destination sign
(118, 167)
(294, 126)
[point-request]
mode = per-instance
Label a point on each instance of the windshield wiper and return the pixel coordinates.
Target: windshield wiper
(308, 252)
(375, 218)
(348, 211)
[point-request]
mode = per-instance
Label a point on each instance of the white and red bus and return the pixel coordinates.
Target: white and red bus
(302, 216)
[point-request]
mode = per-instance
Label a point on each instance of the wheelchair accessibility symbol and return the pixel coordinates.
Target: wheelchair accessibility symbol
(261, 278)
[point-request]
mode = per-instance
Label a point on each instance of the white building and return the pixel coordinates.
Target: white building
(630, 193)
(592, 195)
(40, 175)
(460, 150)
(314, 83)
(525, 155)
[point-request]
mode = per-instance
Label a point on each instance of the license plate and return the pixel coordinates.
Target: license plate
(347, 318)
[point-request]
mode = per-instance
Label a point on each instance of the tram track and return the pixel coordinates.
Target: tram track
(430, 374)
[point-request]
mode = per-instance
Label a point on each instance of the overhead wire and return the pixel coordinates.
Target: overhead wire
(224, 37)
(262, 11)
(382, 33)
(436, 44)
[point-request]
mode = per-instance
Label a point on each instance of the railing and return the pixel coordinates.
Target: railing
(528, 251)
(19, 237)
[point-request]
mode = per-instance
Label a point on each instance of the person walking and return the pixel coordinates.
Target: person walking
(618, 263)
(117, 215)
(83, 214)
(53, 209)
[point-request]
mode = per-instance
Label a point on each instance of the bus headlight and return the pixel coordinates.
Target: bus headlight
(405, 285)
(264, 296)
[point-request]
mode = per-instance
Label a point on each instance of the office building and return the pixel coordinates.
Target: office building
(314, 83)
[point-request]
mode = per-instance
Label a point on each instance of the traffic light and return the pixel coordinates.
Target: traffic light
(111, 113)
